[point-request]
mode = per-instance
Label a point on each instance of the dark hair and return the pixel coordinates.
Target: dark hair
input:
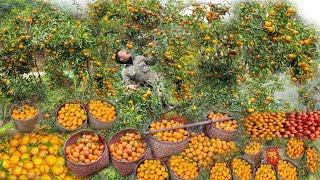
(117, 57)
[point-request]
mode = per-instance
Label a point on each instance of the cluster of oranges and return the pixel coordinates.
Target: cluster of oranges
(102, 110)
(24, 112)
(33, 156)
(242, 169)
(171, 135)
(86, 150)
(313, 159)
(221, 171)
(152, 169)
(130, 148)
(183, 167)
(287, 170)
(265, 172)
(71, 116)
(230, 125)
(265, 125)
(253, 147)
(202, 149)
(295, 148)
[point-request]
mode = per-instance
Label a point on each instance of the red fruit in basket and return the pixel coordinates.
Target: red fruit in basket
(308, 123)
(312, 136)
(286, 132)
(292, 135)
(306, 132)
(290, 128)
(312, 128)
(291, 115)
(299, 134)
(294, 131)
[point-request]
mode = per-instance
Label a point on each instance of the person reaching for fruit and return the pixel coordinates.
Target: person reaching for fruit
(137, 72)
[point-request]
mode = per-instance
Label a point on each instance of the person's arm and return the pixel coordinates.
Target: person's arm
(131, 85)
(151, 61)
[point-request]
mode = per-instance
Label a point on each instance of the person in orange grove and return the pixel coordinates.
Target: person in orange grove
(137, 72)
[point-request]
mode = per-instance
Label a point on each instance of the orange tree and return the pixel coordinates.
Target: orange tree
(17, 53)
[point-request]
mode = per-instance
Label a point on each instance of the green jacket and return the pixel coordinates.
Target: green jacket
(140, 71)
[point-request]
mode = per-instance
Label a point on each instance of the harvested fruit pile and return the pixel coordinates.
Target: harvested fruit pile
(230, 125)
(253, 147)
(71, 116)
(130, 147)
(265, 125)
(242, 169)
(171, 135)
(287, 170)
(152, 169)
(220, 171)
(33, 156)
(295, 148)
(265, 172)
(313, 159)
(202, 149)
(304, 124)
(183, 167)
(102, 110)
(88, 149)
(25, 111)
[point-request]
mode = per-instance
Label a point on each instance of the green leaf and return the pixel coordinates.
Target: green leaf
(48, 144)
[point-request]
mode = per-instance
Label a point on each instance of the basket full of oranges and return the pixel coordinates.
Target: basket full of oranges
(169, 142)
(25, 116)
(102, 114)
(71, 116)
(224, 130)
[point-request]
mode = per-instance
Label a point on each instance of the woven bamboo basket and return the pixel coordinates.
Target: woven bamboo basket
(221, 162)
(25, 125)
(84, 170)
(296, 161)
(234, 176)
(255, 158)
(135, 172)
(98, 124)
(163, 149)
(307, 167)
(61, 128)
(126, 167)
(255, 170)
(214, 132)
(173, 176)
(279, 177)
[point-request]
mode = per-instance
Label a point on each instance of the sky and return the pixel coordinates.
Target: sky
(308, 9)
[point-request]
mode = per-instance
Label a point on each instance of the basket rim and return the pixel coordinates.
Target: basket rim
(303, 152)
(288, 160)
(66, 129)
(86, 131)
(242, 158)
(228, 166)
(206, 114)
(134, 161)
(22, 103)
(245, 152)
(91, 116)
(307, 157)
(171, 172)
(151, 137)
(258, 166)
(137, 166)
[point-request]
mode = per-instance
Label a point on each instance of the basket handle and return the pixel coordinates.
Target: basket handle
(189, 125)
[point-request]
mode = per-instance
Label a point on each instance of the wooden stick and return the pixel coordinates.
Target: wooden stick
(189, 125)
